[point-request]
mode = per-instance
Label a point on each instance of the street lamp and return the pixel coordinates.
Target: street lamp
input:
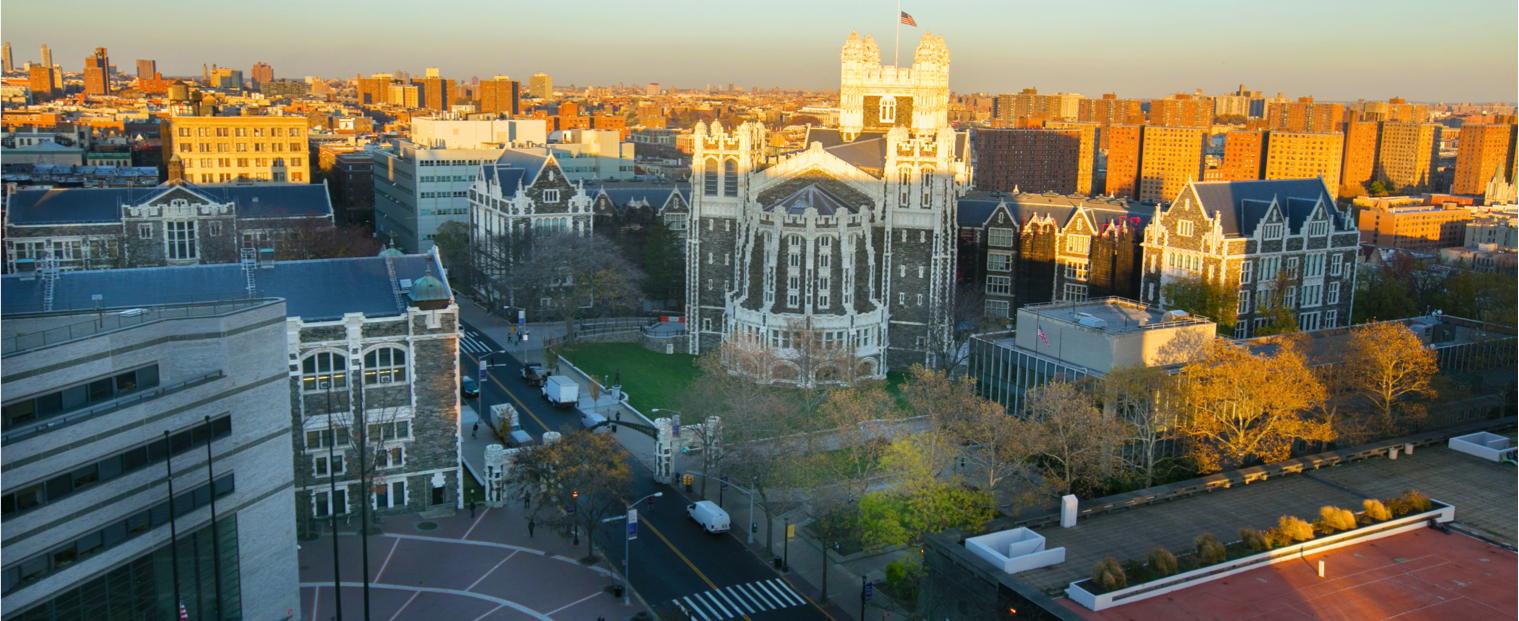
(627, 561)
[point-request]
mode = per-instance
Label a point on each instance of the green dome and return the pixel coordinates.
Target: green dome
(390, 251)
(428, 289)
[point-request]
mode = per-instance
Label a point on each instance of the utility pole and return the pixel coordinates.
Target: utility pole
(216, 546)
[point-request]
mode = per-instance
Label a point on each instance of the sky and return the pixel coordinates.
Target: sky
(1334, 50)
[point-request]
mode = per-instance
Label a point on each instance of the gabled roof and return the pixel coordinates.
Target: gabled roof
(656, 196)
(1242, 204)
(530, 163)
(103, 205)
(319, 290)
(975, 209)
(810, 196)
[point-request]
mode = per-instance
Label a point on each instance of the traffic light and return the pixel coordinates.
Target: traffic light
(575, 494)
(754, 527)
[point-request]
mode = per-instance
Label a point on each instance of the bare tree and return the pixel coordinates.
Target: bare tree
(575, 482)
(1074, 436)
(863, 420)
(967, 317)
(995, 445)
(568, 274)
(1148, 399)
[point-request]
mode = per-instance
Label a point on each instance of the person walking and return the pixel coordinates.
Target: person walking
(530, 526)
(471, 509)
(475, 430)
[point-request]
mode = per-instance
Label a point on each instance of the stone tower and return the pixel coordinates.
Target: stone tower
(877, 97)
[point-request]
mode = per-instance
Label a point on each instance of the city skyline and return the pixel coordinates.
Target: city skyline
(1102, 55)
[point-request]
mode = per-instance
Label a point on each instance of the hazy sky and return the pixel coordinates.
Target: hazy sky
(1452, 50)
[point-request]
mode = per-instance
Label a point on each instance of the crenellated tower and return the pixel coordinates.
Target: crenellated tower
(875, 97)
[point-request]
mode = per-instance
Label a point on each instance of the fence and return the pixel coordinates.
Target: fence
(116, 319)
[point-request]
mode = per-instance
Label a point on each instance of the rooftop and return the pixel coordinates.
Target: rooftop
(1111, 315)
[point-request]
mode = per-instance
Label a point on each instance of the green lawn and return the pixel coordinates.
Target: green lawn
(652, 380)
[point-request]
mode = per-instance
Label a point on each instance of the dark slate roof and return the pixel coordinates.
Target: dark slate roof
(506, 177)
(975, 208)
(867, 151)
(810, 196)
(656, 195)
(96, 205)
(320, 290)
(1243, 203)
(530, 163)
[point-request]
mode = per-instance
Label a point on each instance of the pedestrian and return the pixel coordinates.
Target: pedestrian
(476, 430)
(526, 499)
(530, 526)
(471, 509)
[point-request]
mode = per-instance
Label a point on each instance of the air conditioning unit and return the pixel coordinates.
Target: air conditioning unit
(322, 385)
(384, 379)
(1175, 315)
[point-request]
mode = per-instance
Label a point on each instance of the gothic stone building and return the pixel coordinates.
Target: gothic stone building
(852, 238)
(173, 224)
(1025, 249)
(1248, 233)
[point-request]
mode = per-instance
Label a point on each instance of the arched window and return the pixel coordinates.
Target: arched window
(928, 188)
(730, 178)
(904, 182)
(888, 109)
(385, 365)
(709, 177)
(324, 370)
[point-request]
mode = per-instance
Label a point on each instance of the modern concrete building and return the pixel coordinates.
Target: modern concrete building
(97, 73)
(1485, 150)
(591, 155)
(417, 188)
(1182, 110)
(223, 149)
(1305, 116)
(1054, 159)
(1407, 156)
(1494, 225)
(1411, 223)
(261, 73)
(1244, 155)
(436, 133)
(100, 395)
(501, 95)
(1107, 112)
(1171, 157)
(1292, 155)
(1359, 166)
(541, 86)
(146, 69)
(1125, 146)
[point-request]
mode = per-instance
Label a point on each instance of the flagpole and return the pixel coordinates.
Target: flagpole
(896, 47)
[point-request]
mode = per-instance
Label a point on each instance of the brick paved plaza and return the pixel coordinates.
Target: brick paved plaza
(482, 569)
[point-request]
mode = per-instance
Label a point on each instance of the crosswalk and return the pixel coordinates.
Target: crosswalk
(472, 344)
(739, 599)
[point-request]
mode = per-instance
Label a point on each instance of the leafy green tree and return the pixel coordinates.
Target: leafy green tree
(1218, 302)
(1380, 296)
(662, 264)
(1489, 297)
(1379, 187)
(452, 241)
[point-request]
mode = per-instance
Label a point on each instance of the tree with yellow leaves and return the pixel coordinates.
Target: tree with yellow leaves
(1387, 364)
(1245, 407)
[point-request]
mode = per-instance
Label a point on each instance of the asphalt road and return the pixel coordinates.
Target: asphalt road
(676, 566)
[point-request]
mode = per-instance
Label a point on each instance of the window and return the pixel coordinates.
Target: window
(1336, 264)
(184, 132)
(1075, 293)
(1308, 321)
(999, 238)
(999, 261)
(145, 231)
(920, 299)
(320, 465)
(1331, 319)
(1290, 300)
(1076, 271)
(384, 432)
(928, 186)
(181, 239)
(1244, 302)
(1184, 228)
(1333, 295)
(324, 370)
(902, 299)
(392, 495)
(551, 196)
(1268, 268)
(336, 504)
(393, 457)
(730, 178)
(999, 285)
(1078, 244)
(1315, 265)
(1292, 271)
(1318, 229)
(213, 229)
(888, 110)
(385, 365)
(1246, 272)
(709, 177)
(1271, 231)
(322, 439)
(998, 308)
(904, 182)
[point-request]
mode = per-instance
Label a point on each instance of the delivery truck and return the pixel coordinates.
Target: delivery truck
(560, 391)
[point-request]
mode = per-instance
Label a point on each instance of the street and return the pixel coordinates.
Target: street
(675, 565)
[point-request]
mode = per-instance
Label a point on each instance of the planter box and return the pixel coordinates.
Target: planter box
(1486, 445)
(1012, 551)
(1440, 513)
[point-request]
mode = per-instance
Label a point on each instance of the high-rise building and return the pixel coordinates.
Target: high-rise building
(1056, 159)
(227, 79)
(1030, 104)
(262, 73)
(1182, 110)
(437, 92)
(1360, 163)
(42, 83)
(500, 95)
(1395, 110)
(541, 86)
(47, 56)
(1408, 155)
(1304, 115)
(1125, 147)
(651, 90)
(1483, 151)
(417, 189)
(1293, 155)
(146, 68)
(1244, 156)
(405, 95)
(10, 65)
(1109, 111)
(97, 73)
(1236, 103)
(375, 89)
(1172, 156)
(223, 149)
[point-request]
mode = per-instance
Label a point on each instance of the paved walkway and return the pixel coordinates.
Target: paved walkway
(493, 570)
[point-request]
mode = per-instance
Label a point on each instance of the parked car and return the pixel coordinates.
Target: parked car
(560, 391)
(594, 422)
(710, 516)
(469, 387)
(534, 374)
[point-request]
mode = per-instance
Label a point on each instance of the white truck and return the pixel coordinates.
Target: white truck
(560, 391)
(711, 517)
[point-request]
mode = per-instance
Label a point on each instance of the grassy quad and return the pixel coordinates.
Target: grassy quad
(652, 380)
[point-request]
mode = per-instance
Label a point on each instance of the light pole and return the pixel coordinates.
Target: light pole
(627, 560)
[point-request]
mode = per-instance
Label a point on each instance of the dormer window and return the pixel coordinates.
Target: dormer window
(551, 196)
(1184, 228)
(1272, 231)
(888, 109)
(1319, 229)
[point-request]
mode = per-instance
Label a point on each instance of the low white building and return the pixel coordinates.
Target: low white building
(590, 154)
(478, 134)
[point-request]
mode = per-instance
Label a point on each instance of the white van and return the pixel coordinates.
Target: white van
(561, 392)
(594, 422)
(709, 516)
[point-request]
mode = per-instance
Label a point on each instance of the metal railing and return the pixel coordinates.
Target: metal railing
(21, 433)
(116, 319)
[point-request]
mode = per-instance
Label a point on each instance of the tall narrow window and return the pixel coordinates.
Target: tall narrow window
(181, 239)
(385, 365)
(324, 370)
(888, 109)
(904, 182)
(709, 177)
(730, 178)
(928, 188)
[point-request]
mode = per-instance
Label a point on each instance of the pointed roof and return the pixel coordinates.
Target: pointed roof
(1242, 204)
(810, 196)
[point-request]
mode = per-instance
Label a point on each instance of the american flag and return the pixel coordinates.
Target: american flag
(183, 614)
(1041, 340)
(907, 19)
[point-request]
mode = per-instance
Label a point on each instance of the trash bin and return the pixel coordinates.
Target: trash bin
(616, 590)
(778, 562)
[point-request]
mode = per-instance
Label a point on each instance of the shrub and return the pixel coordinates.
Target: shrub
(1376, 510)
(1209, 550)
(1275, 538)
(902, 577)
(1254, 539)
(1397, 506)
(1162, 561)
(1417, 503)
(1108, 576)
(1294, 528)
(1336, 519)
